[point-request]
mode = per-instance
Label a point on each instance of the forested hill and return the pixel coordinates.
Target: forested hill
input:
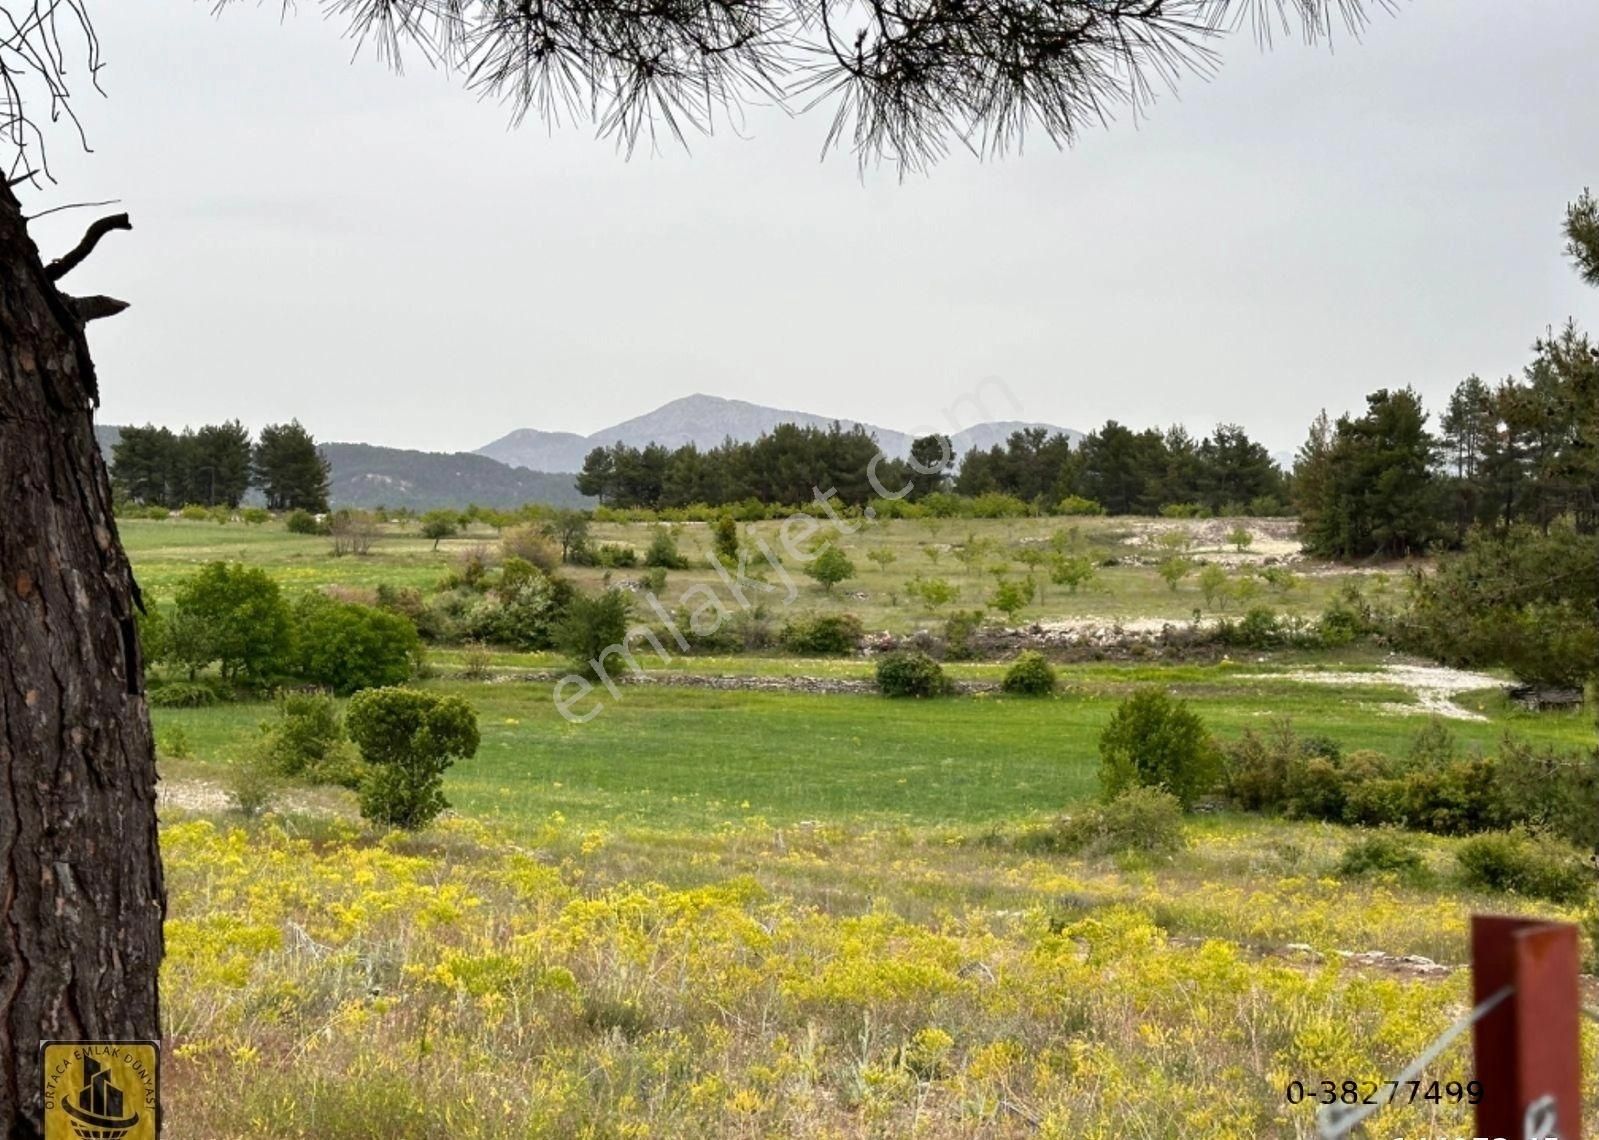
(364, 475)
(367, 476)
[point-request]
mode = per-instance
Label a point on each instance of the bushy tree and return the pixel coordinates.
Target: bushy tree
(410, 739)
(570, 530)
(830, 567)
(592, 624)
(234, 615)
(344, 646)
(440, 524)
(1155, 741)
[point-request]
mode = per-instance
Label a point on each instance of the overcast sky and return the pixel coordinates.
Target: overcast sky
(384, 258)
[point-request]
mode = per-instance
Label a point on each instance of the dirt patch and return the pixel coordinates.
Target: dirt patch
(1274, 539)
(1435, 686)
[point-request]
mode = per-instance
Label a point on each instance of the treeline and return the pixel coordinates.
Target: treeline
(1115, 468)
(217, 464)
(1525, 452)
(1132, 473)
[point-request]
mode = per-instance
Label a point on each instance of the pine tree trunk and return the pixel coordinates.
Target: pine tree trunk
(81, 897)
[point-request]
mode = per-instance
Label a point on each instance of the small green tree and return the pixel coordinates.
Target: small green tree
(883, 556)
(570, 528)
(1240, 538)
(1155, 741)
(1212, 583)
(410, 738)
(1011, 596)
(830, 567)
(1174, 570)
(725, 538)
(1072, 571)
(440, 524)
(932, 553)
(592, 624)
(933, 592)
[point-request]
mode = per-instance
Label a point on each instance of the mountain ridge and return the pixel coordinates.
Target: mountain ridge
(708, 420)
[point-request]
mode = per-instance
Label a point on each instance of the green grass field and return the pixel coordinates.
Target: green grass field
(671, 757)
(734, 913)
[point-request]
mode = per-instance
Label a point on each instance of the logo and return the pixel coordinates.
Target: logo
(101, 1090)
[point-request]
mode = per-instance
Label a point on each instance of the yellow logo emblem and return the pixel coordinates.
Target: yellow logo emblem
(101, 1090)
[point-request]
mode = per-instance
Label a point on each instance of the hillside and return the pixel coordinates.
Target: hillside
(706, 421)
(367, 476)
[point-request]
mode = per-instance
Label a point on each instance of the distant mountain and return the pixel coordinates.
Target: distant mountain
(368, 476)
(706, 421)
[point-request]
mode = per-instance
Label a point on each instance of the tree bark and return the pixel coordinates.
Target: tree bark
(81, 895)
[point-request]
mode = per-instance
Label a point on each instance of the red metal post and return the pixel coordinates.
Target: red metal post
(1527, 1047)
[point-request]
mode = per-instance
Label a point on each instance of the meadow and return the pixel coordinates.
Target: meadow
(783, 912)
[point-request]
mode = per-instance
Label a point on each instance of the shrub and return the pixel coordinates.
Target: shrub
(830, 635)
(346, 647)
(592, 624)
(353, 532)
(724, 538)
(1155, 741)
(1257, 629)
(1383, 853)
(1590, 928)
(1518, 862)
(1077, 505)
(1138, 819)
(663, 551)
(531, 544)
(256, 516)
(1030, 675)
(194, 512)
(910, 673)
(653, 580)
(1258, 767)
(252, 785)
(174, 744)
(182, 695)
(241, 615)
(1318, 789)
(1456, 799)
(410, 738)
(476, 661)
(959, 629)
(302, 522)
(308, 741)
(607, 554)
